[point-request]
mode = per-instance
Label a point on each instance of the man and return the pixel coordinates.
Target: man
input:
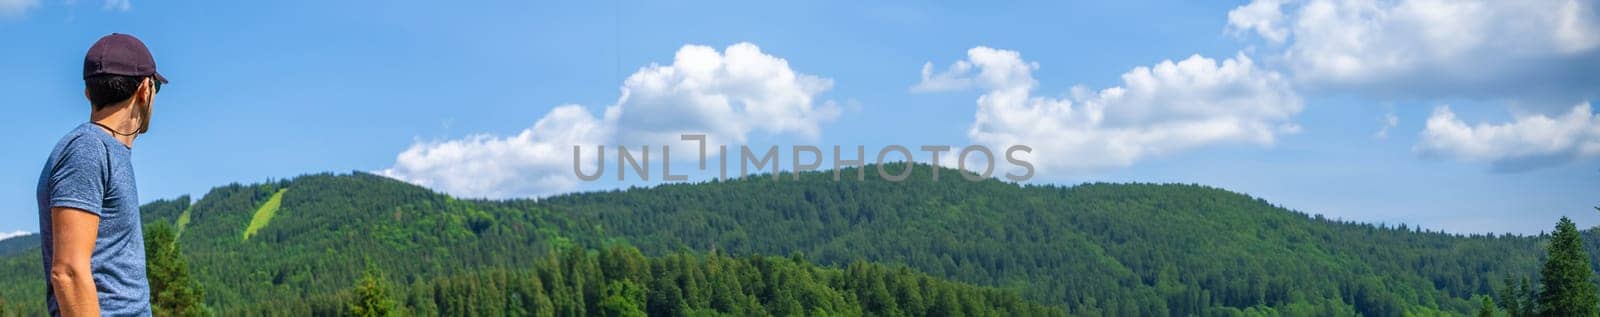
(88, 204)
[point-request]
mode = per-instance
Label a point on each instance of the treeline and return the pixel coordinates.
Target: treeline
(1100, 249)
(621, 281)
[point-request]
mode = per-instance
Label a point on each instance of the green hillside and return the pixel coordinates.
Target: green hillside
(1093, 249)
(18, 244)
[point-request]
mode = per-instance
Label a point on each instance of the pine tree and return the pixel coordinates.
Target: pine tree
(1569, 288)
(1516, 297)
(172, 291)
(372, 299)
(622, 299)
(1487, 310)
(1530, 301)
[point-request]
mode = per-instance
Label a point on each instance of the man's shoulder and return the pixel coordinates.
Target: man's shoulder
(84, 135)
(79, 144)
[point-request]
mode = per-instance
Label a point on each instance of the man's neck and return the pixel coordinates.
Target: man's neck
(115, 120)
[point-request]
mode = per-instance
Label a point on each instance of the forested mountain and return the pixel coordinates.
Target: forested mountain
(1092, 249)
(18, 244)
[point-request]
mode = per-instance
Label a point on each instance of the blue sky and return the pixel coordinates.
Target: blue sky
(1284, 101)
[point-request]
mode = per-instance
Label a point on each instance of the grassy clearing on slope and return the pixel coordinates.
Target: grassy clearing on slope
(263, 214)
(183, 219)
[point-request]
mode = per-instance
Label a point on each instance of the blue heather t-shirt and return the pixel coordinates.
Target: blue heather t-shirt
(92, 171)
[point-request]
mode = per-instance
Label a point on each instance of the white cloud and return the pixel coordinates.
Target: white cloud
(725, 95)
(536, 161)
(1262, 16)
(1434, 48)
(16, 8)
(118, 5)
(953, 78)
(1389, 122)
(1161, 109)
(13, 234)
(1528, 142)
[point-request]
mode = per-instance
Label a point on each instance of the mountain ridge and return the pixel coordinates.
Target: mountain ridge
(1096, 249)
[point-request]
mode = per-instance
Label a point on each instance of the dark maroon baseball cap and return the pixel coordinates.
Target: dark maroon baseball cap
(120, 54)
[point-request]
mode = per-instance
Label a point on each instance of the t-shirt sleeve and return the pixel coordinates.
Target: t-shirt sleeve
(78, 178)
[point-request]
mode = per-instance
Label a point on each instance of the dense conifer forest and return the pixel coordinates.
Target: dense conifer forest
(363, 244)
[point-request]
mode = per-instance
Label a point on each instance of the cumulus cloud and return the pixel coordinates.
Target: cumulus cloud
(1263, 17)
(953, 78)
(725, 95)
(1528, 142)
(537, 160)
(1162, 109)
(13, 234)
(16, 8)
(1434, 48)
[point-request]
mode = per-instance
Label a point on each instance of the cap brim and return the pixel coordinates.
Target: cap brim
(163, 79)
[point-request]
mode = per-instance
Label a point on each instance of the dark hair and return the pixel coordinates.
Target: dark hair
(105, 90)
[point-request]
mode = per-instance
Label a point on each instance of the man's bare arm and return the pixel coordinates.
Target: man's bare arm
(73, 232)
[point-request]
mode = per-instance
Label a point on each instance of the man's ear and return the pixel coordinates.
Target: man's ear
(144, 91)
